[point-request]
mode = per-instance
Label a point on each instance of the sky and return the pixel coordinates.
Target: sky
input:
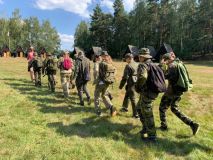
(64, 15)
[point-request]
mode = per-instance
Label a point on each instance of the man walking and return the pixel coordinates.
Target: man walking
(82, 74)
(37, 65)
(149, 90)
(106, 77)
(50, 67)
(65, 65)
(129, 78)
(173, 94)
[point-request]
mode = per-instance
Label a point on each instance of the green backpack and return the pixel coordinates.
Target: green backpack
(109, 76)
(38, 63)
(52, 65)
(184, 83)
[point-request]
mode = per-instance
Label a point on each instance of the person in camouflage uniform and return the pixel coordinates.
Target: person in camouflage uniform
(37, 69)
(129, 77)
(147, 96)
(65, 74)
(101, 88)
(97, 60)
(82, 77)
(49, 69)
(172, 96)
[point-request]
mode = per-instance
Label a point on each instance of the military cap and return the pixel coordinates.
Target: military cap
(144, 52)
(81, 53)
(104, 53)
(166, 56)
(128, 55)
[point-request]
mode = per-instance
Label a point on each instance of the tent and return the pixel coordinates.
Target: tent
(77, 50)
(165, 48)
(152, 50)
(93, 51)
(133, 50)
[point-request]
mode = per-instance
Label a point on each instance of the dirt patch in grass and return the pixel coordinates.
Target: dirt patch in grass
(207, 71)
(202, 105)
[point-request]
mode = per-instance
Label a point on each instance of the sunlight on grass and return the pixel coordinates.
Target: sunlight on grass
(35, 124)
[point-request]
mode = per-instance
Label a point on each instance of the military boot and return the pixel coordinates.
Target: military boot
(195, 128)
(89, 101)
(143, 131)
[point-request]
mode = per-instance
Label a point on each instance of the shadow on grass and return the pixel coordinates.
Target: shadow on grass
(103, 127)
(47, 101)
(95, 126)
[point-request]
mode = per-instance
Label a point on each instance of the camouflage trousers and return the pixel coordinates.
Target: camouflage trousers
(144, 108)
(65, 82)
(101, 91)
(51, 82)
(130, 95)
(37, 75)
(172, 100)
(82, 88)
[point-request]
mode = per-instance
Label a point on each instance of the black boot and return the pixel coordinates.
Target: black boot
(195, 128)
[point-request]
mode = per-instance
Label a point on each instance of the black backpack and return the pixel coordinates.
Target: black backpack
(155, 80)
(86, 69)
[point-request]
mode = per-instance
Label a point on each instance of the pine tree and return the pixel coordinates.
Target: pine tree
(120, 28)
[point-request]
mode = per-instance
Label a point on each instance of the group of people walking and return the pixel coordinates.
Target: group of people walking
(145, 78)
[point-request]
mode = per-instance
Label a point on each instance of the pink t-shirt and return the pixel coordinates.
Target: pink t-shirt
(30, 56)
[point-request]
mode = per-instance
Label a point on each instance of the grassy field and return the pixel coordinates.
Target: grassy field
(35, 124)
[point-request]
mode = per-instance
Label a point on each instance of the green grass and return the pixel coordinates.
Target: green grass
(35, 124)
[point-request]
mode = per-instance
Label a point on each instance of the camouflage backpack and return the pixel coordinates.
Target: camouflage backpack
(109, 76)
(38, 63)
(52, 65)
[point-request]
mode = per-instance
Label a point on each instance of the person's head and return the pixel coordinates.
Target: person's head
(80, 54)
(168, 58)
(49, 55)
(66, 54)
(104, 55)
(128, 57)
(31, 49)
(97, 58)
(144, 54)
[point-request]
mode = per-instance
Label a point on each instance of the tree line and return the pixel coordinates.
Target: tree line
(18, 32)
(187, 25)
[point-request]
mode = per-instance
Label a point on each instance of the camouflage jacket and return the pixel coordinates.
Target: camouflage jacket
(45, 65)
(172, 74)
(34, 61)
(103, 67)
(129, 74)
(141, 85)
